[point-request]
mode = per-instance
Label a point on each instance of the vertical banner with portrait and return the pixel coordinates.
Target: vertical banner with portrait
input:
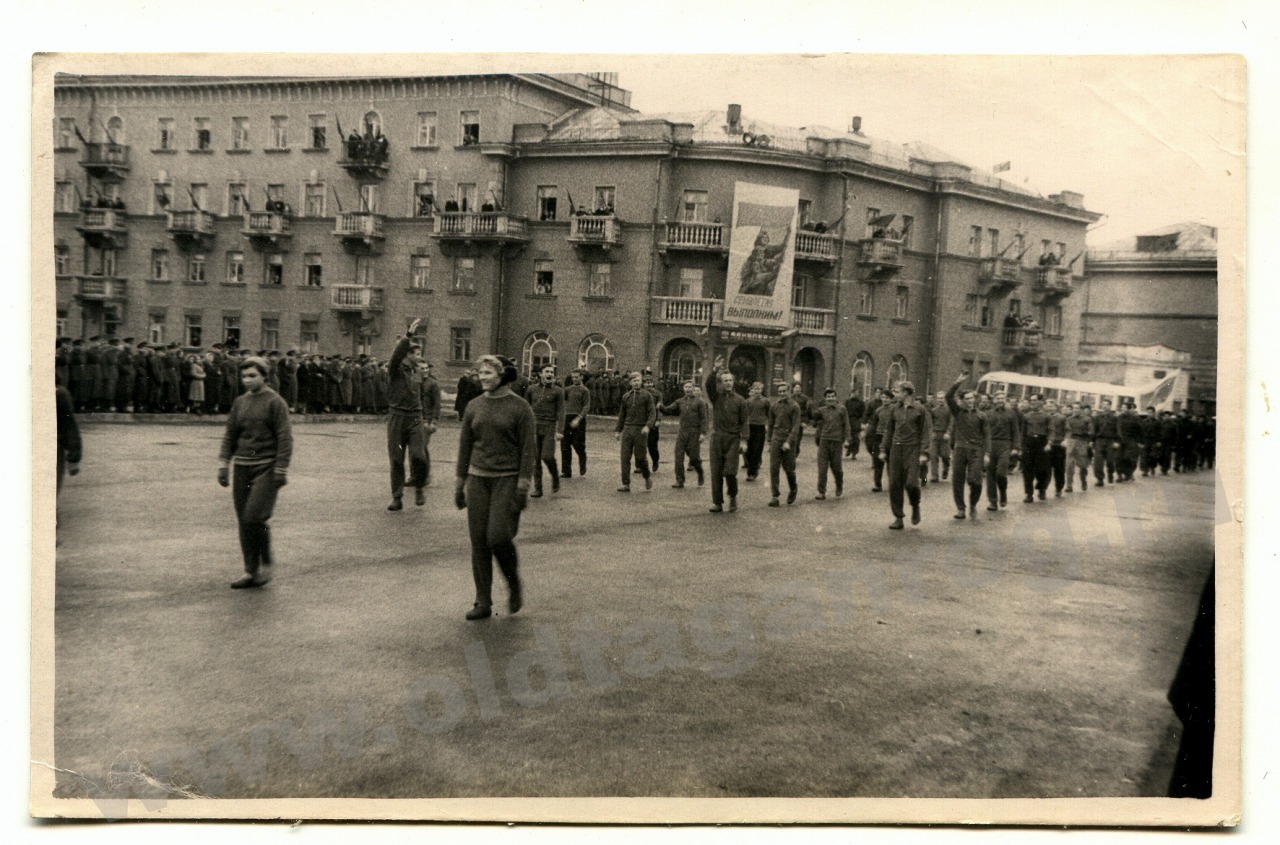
(761, 252)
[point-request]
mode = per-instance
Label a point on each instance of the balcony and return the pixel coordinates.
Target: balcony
(879, 258)
(812, 246)
(483, 226)
(107, 162)
(693, 237)
(1053, 281)
(267, 229)
(1000, 273)
(814, 320)
(1020, 342)
(101, 288)
(360, 232)
(191, 229)
(365, 159)
(103, 228)
(685, 311)
(603, 231)
(355, 298)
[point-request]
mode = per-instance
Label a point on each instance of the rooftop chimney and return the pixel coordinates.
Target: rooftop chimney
(857, 125)
(734, 117)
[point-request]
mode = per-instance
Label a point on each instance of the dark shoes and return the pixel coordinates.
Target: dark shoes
(648, 483)
(791, 497)
(820, 497)
(896, 525)
(960, 514)
(678, 485)
(396, 504)
(479, 611)
(774, 503)
(516, 600)
(993, 507)
(626, 488)
(733, 504)
(915, 514)
(1028, 498)
(419, 496)
(536, 494)
(249, 579)
(716, 509)
(877, 489)
(839, 490)
(555, 484)
(701, 478)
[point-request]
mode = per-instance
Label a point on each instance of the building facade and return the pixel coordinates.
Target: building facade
(1159, 289)
(540, 216)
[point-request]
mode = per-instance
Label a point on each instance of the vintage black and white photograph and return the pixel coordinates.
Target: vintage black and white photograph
(494, 437)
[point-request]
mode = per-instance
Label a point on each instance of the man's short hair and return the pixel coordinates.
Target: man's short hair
(1036, 396)
(907, 387)
(830, 391)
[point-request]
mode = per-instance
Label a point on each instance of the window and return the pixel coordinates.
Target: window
(470, 128)
(975, 241)
(683, 362)
(314, 273)
(901, 300)
(872, 214)
(860, 377)
(420, 272)
(993, 243)
(314, 196)
(369, 198)
(460, 343)
(160, 264)
(155, 329)
(1044, 247)
(64, 195)
(800, 285)
(61, 261)
(1062, 252)
(366, 270)
(598, 279)
(373, 123)
(1051, 370)
(544, 278)
(908, 226)
(66, 133)
(274, 270)
(203, 133)
(309, 336)
(1015, 307)
(192, 331)
(1159, 373)
(239, 133)
(466, 196)
(165, 137)
(897, 371)
(694, 206)
(60, 323)
(690, 282)
(1051, 319)
(279, 132)
(426, 129)
(161, 196)
(195, 268)
(539, 352)
(595, 354)
(866, 299)
(977, 310)
(231, 330)
(317, 125)
(107, 263)
(1037, 369)
(547, 196)
(270, 332)
(236, 199)
(1019, 245)
(606, 196)
(199, 195)
(805, 210)
(464, 276)
(275, 192)
(235, 268)
(424, 199)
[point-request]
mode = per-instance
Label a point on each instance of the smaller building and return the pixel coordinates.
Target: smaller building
(1136, 366)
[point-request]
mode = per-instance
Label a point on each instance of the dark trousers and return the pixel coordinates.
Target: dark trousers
(724, 466)
(1130, 453)
(574, 440)
(904, 475)
(253, 491)
(784, 461)
(755, 449)
(1104, 459)
(830, 456)
(1035, 464)
(1150, 458)
(966, 468)
(406, 435)
(492, 521)
(1058, 465)
(546, 437)
(940, 454)
(633, 448)
(653, 446)
(688, 446)
(877, 465)
(851, 451)
(998, 471)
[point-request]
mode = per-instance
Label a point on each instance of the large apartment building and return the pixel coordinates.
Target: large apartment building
(542, 217)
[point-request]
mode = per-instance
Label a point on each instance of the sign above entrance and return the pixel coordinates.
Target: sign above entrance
(761, 255)
(767, 337)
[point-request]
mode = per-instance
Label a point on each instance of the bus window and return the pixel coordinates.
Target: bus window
(1051, 394)
(1089, 399)
(1126, 400)
(1070, 397)
(1016, 391)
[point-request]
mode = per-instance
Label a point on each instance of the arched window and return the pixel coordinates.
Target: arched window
(595, 354)
(862, 374)
(897, 371)
(115, 130)
(373, 123)
(683, 361)
(539, 351)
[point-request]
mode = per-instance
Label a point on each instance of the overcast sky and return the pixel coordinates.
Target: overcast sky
(1149, 141)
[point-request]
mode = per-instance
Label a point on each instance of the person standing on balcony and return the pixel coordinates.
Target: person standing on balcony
(577, 404)
(729, 427)
(636, 414)
(405, 426)
(547, 400)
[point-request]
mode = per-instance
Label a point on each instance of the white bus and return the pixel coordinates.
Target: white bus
(1016, 386)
